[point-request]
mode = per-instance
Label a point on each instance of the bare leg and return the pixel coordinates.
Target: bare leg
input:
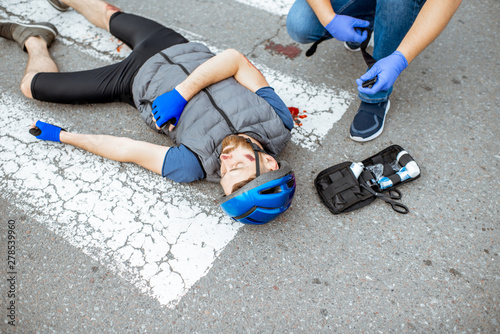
(97, 12)
(39, 60)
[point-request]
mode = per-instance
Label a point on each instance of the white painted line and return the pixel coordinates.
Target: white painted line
(278, 7)
(153, 232)
(72, 27)
(324, 105)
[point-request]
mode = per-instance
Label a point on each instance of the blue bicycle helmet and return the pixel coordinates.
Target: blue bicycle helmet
(264, 198)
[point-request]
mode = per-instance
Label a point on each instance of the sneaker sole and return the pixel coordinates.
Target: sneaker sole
(59, 8)
(47, 26)
(371, 43)
(46, 30)
(50, 27)
(349, 49)
(376, 134)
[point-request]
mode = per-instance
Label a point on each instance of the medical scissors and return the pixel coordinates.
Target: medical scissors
(390, 197)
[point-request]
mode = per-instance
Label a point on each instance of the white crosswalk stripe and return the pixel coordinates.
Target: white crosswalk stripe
(160, 236)
(163, 240)
(278, 7)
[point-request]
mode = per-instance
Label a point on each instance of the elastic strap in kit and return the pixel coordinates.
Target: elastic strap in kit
(336, 188)
(387, 165)
(342, 185)
(405, 159)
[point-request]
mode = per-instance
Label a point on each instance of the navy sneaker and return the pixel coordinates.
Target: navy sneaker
(369, 121)
(352, 46)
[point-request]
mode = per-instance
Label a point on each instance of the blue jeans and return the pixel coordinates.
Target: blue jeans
(390, 20)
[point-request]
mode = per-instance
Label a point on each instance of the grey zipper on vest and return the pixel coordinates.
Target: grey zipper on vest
(221, 112)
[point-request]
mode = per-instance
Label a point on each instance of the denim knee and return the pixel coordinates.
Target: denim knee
(302, 24)
(298, 30)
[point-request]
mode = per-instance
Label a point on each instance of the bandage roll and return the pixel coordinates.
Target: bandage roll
(405, 160)
(356, 168)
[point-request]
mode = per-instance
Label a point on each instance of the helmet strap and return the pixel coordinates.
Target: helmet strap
(256, 149)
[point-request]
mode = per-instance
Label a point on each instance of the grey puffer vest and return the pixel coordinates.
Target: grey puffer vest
(217, 111)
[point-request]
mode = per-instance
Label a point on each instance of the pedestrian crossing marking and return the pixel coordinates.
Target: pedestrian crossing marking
(162, 239)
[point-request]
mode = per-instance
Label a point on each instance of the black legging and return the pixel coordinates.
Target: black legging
(111, 83)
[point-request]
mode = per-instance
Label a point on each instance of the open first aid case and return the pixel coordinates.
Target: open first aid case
(348, 186)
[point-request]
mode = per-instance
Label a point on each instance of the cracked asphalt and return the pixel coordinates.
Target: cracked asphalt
(104, 247)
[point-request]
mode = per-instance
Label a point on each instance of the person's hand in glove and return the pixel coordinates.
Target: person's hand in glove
(168, 107)
(386, 70)
(46, 131)
(343, 28)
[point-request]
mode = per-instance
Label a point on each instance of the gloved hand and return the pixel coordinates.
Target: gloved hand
(46, 131)
(387, 69)
(342, 28)
(168, 106)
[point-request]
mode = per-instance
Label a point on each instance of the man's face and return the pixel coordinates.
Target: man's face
(238, 161)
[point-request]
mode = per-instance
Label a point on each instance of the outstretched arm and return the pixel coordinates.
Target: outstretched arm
(147, 155)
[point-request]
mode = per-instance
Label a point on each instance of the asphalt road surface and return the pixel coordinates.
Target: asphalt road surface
(105, 247)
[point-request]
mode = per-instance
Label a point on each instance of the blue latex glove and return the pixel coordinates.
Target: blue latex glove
(46, 131)
(168, 106)
(343, 28)
(387, 70)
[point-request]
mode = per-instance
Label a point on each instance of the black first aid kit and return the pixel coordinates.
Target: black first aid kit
(352, 185)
